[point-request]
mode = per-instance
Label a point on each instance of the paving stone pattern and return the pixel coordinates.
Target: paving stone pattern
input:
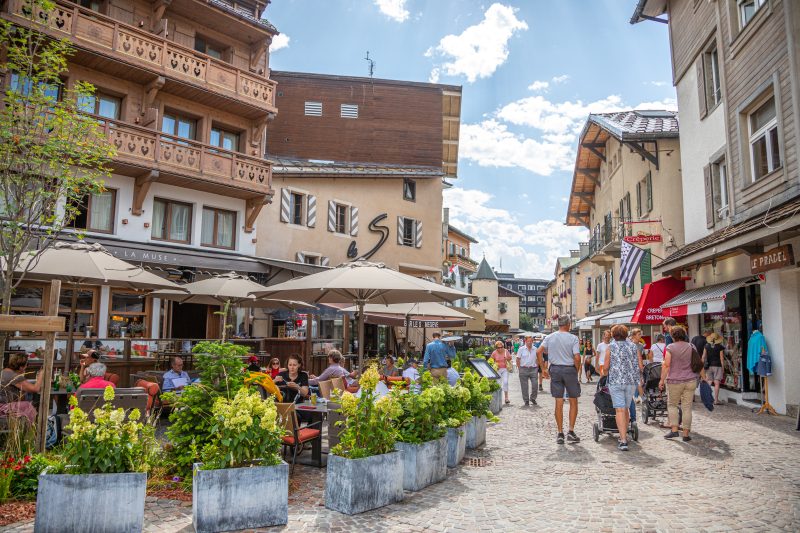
(740, 473)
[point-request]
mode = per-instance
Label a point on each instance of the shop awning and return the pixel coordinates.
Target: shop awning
(586, 324)
(385, 319)
(649, 308)
(709, 299)
(620, 317)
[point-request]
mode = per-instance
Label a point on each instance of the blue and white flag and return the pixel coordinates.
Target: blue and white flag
(631, 259)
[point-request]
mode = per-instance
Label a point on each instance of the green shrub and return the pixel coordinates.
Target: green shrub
(421, 417)
(26, 479)
(454, 407)
(479, 397)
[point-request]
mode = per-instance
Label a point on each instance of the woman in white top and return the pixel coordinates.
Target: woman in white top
(658, 349)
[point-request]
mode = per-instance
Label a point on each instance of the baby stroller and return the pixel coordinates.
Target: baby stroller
(606, 415)
(654, 403)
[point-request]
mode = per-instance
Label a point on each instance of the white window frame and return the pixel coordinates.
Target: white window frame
(764, 131)
(720, 196)
(740, 5)
(346, 226)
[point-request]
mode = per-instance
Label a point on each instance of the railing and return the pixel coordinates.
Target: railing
(146, 147)
(612, 231)
(151, 51)
(463, 261)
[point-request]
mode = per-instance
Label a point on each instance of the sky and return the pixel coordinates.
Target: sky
(531, 71)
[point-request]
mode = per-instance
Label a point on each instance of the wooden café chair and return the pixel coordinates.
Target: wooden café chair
(296, 436)
(325, 389)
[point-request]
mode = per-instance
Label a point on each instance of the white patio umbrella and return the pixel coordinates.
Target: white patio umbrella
(83, 263)
(361, 283)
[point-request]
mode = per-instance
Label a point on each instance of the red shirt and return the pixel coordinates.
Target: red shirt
(96, 383)
(274, 372)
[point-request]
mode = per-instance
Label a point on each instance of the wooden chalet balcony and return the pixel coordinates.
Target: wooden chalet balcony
(187, 72)
(463, 262)
(182, 162)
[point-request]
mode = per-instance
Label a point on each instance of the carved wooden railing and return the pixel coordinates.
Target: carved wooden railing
(195, 160)
(168, 58)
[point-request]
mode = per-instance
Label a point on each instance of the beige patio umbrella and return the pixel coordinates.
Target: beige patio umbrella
(360, 283)
(83, 263)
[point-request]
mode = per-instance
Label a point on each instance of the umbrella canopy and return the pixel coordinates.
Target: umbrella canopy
(416, 311)
(361, 283)
(224, 288)
(80, 262)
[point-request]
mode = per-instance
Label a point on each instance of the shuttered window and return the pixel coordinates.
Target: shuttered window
(313, 109)
(645, 269)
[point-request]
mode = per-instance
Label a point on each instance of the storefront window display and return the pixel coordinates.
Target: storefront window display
(128, 314)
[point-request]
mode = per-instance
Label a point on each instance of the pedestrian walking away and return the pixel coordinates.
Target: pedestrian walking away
(588, 355)
(713, 357)
(563, 369)
(679, 373)
(601, 351)
(624, 369)
(658, 349)
(435, 358)
(528, 368)
(502, 356)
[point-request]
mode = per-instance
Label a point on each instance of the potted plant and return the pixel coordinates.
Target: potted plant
(364, 470)
(421, 435)
(242, 482)
(105, 471)
(454, 418)
(478, 407)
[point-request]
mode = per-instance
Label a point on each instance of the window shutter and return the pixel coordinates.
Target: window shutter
(645, 269)
(649, 188)
(285, 199)
(300, 257)
(709, 196)
(331, 216)
(353, 221)
(610, 294)
(400, 223)
(701, 87)
(639, 199)
(311, 219)
(418, 234)
(325, 261)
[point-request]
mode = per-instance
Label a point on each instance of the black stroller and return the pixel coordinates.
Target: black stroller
(654, 403)
(606, 415)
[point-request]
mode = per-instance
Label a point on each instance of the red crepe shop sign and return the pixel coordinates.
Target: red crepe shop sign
(779, 257)
(642, 238)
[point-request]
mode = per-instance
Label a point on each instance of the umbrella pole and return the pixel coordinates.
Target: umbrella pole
(405, 343)
(71, 332)
(360, 305)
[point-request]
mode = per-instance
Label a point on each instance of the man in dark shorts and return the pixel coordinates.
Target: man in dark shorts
(563, 370)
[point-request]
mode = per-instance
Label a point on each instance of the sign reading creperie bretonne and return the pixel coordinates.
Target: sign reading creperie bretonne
(779, 257)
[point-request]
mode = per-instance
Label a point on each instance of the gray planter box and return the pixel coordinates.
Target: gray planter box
(240, 498)
(91, 503)
(456, 445)
(476, 432)
(497, 402)
(353, 486)
(423, 464)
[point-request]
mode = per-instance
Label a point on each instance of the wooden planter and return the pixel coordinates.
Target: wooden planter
(423, 464)
(90, 502)
(456, 445)
(240, 498)
(476, 432)
(353, 486)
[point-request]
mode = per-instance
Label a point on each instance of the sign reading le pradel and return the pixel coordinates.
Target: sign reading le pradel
(776, 258)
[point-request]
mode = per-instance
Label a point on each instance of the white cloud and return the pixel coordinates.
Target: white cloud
(394, 9)
(560, 79)
(538, 85)
(434, 77)
(669, 104)
(480, 49)
(279, 41)
(656, 83)
(555, 117)
(528, 250)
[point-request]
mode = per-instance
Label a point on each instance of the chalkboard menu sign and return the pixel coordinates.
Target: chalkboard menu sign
(483, 368)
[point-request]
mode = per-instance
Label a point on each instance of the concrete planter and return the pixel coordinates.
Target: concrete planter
(497, 402)
(476, 432)
(423, 464)
(353, 486)
(456, 445)
(240, 498)
(96, 503)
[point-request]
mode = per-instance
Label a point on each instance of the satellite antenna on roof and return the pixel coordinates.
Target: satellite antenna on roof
(371, 64)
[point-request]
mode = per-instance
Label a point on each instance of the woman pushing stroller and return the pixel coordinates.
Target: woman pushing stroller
(624, 369)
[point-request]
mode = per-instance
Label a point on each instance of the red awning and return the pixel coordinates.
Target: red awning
(654, 295)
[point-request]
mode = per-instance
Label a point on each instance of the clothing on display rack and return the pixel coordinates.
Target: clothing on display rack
(764, 366)
(755, 347)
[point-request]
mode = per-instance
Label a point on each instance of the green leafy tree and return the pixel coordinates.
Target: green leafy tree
(51, 154)
(526, 321)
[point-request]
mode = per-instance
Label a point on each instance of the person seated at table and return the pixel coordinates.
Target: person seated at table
(253, 366)
(452, 374)
(389, 370)
(293, 382)
(411, 371)
(274, 367)
(176, 378)
(95, 377)
(334, 369)
(13, 387)
(89, 357)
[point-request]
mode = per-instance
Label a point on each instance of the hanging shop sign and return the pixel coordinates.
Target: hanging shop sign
(642, 238)
(779, 257)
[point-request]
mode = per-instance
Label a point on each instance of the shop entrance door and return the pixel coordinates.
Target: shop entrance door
(189, 321)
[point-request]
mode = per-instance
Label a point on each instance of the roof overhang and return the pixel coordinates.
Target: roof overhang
(649, 10)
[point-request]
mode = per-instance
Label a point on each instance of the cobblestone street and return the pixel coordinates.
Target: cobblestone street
(740, 472)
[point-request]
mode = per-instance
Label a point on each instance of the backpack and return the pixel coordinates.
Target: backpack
(697, 361)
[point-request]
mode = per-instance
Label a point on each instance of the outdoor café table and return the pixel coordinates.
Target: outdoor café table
(60, 396)
(318, 413)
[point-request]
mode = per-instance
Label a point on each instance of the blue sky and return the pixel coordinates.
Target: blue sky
(531, 71)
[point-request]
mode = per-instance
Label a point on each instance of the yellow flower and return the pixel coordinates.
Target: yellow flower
(134, 415)
(108, 394)
(370, 378)
(349, 403)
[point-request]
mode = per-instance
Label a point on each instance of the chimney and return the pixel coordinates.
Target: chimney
(575, 253)
(446, 216)
(584, 249)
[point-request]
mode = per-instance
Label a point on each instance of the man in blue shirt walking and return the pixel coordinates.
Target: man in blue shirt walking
(435, 357)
